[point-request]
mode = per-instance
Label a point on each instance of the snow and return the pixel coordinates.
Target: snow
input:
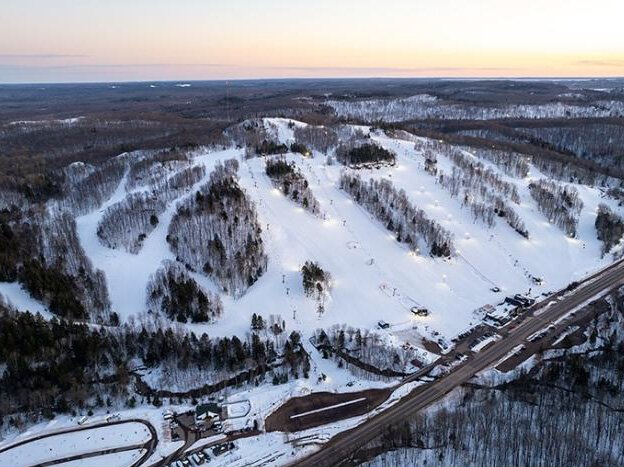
(363, 292)
(16, 297)
(236, 409)
(127, 275)
(424, 106)
(485, 342)
(63, 423)
(329, 407)
(119, 459)
(69, 444)
(346, 240)
(65, 121)
(273, 449)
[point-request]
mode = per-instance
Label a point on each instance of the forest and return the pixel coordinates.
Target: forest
(129, 222)
(319, 138)
(216, 232)
(560, 204)
(290, 181)
(57, 366)
(41, 250)
(173, 292)
(609, 226)
(357, 155)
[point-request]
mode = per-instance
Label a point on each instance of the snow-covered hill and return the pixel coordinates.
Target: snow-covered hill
(374, 277)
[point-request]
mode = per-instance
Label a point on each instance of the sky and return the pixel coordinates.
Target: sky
(145, 40)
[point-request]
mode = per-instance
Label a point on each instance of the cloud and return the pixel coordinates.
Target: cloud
(243, 68)
(383, 70)
(40, 56)
(609, 63)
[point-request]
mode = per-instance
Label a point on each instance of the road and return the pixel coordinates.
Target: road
(343, 445)
(149, 446)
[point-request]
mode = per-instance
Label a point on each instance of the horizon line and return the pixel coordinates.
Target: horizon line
(323, 78)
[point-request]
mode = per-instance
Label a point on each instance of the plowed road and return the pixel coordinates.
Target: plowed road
(343, 445)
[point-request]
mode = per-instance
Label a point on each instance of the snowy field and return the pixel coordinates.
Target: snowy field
(118, 459)
(70, 444)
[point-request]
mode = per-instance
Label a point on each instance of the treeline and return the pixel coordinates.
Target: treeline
(364, 154)
(393, 208)
(216, 231)
(151, 167)
(61, 367)
(510, 163)
(173, 186)
(248, 134)
(41, 250)
(428, 107)
(609, 226)
(173, 292)
(86, 187)
(551, 159)
(270, 147)
(560, 204)
(290, 181)
(601, 143)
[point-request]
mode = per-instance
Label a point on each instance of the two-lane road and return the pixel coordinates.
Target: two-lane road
(346, 443)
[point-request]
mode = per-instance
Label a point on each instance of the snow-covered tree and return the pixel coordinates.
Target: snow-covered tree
(289, 180)
(216, 231)
(393, 208)
(609, 227)
(173, 292)
(561, 204)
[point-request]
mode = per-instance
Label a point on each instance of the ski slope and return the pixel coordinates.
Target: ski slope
(374, 277)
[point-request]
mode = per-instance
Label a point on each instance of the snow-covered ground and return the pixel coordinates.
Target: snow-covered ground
(344, 241)
(70, 444)
(347, 238)
(274, 449)
(118, 459)
(14, 295)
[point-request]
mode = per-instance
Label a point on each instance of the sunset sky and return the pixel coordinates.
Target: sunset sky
(128, 40)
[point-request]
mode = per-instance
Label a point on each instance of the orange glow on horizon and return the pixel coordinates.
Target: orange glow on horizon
(195, 39)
